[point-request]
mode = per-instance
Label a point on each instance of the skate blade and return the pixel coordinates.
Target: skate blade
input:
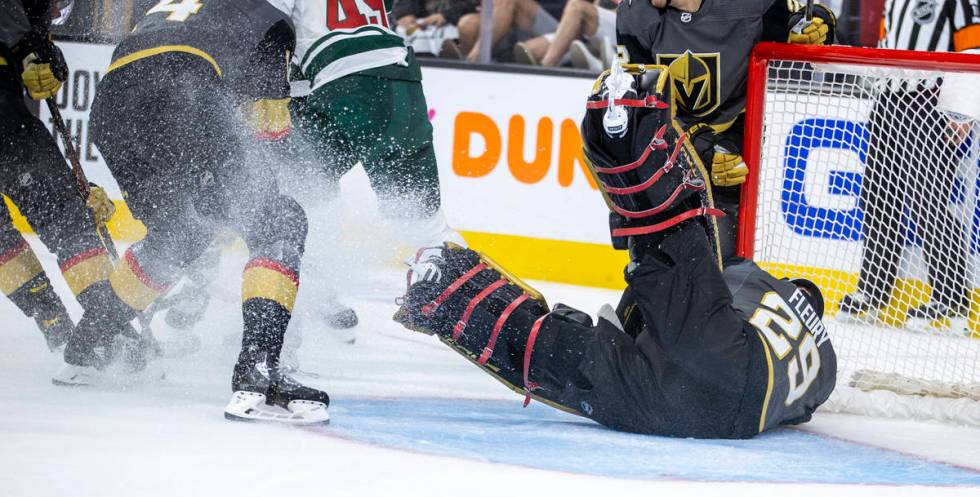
(956, 326)
(251, 407)
(114, 376)
(76, 376)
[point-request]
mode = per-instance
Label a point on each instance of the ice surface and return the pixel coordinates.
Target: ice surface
(410, 417)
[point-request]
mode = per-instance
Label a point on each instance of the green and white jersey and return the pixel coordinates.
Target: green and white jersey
(335, 38)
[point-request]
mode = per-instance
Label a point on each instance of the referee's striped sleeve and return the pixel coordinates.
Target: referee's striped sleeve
(966, 25)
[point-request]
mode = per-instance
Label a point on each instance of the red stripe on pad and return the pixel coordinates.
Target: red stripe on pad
(646, 230)
(273, 265)
(663, 206)
(657, 143)
(488, 351)
(532, 337)
(88, 254)
(451, 289)
(651, 101)
(141, 275)
(464, 319)
(14, 252)
(272, 135)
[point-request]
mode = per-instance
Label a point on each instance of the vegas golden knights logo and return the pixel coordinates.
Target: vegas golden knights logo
(697, 89)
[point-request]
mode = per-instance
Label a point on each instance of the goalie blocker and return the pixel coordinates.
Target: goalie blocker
(691, 350)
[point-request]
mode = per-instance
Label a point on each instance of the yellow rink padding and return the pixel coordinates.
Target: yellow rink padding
(578, 263)
(908, 293)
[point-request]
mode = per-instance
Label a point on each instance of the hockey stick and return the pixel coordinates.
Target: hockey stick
(144, 318)
(807, 18)
(76, 168)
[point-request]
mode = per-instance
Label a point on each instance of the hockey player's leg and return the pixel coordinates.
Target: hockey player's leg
(276, 236)
(558, 357)
(883, 198)
(692, 335)
(45, 192)
(402, 166)
(942, 234)
(320, 154)
(23, 281)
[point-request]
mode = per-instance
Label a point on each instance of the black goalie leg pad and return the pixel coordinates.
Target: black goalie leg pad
(474, 307)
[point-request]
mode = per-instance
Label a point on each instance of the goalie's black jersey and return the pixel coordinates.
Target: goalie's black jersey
(245, 42)
(707, 51)
(801, 362)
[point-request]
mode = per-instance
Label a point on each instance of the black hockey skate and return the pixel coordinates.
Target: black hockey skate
(265, 393)
(56, 330)
(91, 351)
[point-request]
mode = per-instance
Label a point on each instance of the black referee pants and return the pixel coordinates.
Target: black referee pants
(911, 165)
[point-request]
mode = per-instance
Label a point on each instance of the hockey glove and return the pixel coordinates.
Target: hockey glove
(101, 206)
(717, 152)
(44, 70)
(819, 31)
(728, 169)
(270, 119)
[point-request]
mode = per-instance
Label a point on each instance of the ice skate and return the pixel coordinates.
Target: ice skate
(271, 395)
(933, 317)
(56, 331)
(341, 321)
(856, 308)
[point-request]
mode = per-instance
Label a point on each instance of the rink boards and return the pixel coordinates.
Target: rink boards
(514, 182)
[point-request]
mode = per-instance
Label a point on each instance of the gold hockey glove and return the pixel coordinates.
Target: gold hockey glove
(100, 204)
(819, 31)
(270, 119)
(728, 169)
(42, 79)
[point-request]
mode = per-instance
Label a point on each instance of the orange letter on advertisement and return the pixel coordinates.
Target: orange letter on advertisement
(570, 152)
(534, 171)
(468, 123)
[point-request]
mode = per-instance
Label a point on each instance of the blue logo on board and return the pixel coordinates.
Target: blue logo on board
(806, 219)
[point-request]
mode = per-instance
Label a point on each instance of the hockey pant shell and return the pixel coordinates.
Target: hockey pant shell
(183, 165)
(690, 370)
(907, 125)
(383, 124)
(37, 179)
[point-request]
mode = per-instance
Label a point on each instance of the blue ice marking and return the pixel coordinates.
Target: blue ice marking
(543, 438)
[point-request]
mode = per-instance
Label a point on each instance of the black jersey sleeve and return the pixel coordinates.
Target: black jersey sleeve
(14, 24)
(25, 23)
(775, 23)
(270, 79)
(637, 23)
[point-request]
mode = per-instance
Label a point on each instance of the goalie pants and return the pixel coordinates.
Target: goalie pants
(36, 178)
(911, 165)
(185, 172)
(382, 123)
(686, 365)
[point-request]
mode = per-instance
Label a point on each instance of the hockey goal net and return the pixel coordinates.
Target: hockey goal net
(859, 184)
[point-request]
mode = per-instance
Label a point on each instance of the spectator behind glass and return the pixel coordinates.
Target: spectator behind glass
(411, 15)
(513, 21)
(583, 21)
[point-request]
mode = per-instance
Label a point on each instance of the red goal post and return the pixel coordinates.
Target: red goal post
(808, 135)
(756, 97)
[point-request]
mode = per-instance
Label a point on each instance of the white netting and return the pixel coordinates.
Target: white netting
(858, 170)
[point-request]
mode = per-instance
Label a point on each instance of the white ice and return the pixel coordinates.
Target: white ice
(168, 438)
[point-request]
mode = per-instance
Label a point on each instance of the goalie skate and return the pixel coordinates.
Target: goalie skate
(252, 406)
